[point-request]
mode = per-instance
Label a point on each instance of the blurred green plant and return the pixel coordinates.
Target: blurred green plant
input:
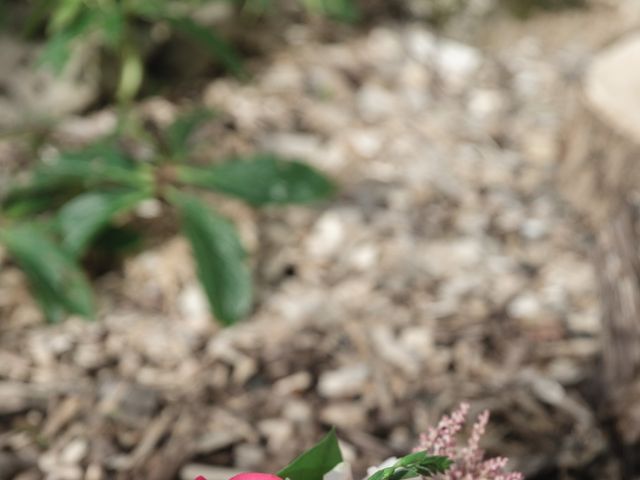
(323, 457)
(118, 26)
(121, 27)
(81, 194)
(56, 280)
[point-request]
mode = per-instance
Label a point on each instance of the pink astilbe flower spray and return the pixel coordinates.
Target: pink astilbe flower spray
(468, 461)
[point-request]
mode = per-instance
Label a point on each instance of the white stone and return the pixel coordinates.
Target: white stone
(484, 102)
(534, 229)
(525, 306)
(421, 44)
(343, 382)
(365, 143)
(374, 102)
(75, 451)
(327, 236)
(192, 303)
(456, 61)
(149, 208)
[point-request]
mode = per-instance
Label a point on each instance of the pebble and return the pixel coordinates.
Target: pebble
(278, 432)
(327, 236)
(248, 456)
(343, 382)
(349, 415)
(75, 451)
(525, 306)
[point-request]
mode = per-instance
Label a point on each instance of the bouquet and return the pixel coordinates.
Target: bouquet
(437, 456)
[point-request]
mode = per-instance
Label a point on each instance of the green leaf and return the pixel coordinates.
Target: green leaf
(112, 23)
(64, 14)
(180, 131)
(410, 459)
(57, 50)
(316, 462)
(56, 280)
(50, 185)
(344, 10)
(117, 240)
(261, 179)
(417, 464)
(150, 11)
(379, 475)
(219, 257)
(219, 48)
(107, 150)
(81, 219)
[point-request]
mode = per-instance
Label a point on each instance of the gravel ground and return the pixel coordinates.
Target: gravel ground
(446, 270)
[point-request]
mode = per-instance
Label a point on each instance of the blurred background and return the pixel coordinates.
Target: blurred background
(441, 261)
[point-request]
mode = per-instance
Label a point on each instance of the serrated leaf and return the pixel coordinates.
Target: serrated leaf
(180, 131)
(219, 257)
(81, 219)
(207, 37)
(55, 279)
(262, 179)
(412, 458)
(379, 475)
(315, 462)
(417, 464)
(432, 465)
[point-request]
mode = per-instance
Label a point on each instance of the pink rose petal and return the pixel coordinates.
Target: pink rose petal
(255, 476)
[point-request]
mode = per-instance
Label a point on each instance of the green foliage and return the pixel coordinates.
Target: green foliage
(213, 43)
(219, 257)
(325, 455)
(344, 10)
(56, 280)
(261, 180)
(316, 462)
(88, 194)
(117, 25)
(82, 218)
(180, 131)
(417, 464)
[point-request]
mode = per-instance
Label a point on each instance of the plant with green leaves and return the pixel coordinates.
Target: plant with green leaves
(326, 457)
(121, 27)
(414, 465)
(82, 195)
(56, 280)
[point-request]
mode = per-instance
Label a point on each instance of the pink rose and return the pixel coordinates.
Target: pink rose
(250, 476)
